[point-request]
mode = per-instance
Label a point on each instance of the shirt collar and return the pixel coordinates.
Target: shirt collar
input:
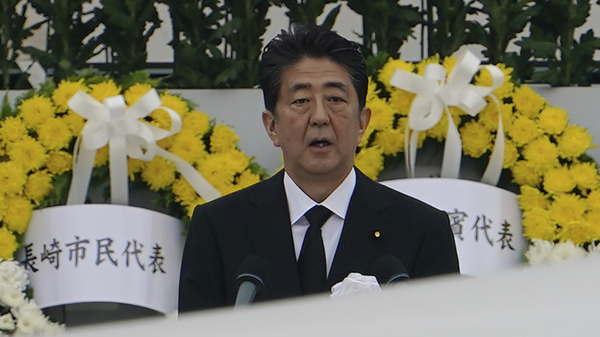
(337, 201)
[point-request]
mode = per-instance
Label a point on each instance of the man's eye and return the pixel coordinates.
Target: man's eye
(336, 99)
(300, 101)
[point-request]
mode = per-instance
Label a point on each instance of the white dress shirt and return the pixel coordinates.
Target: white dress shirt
(337, 202)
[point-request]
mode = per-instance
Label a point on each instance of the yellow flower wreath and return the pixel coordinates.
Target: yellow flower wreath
(37, 140)
(545, 157)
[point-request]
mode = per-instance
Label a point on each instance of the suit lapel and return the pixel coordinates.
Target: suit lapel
(358, 246)
(271, 236)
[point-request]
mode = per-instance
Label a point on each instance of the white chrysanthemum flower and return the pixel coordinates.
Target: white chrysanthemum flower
(30, 318)
(13, 275)
(11, 297)
(539, 251)
(566, 251)
(7, 323)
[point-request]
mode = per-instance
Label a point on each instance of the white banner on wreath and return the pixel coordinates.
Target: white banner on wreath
(485, 220)
(104, 253)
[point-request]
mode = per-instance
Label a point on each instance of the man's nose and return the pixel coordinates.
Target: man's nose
(320, 115)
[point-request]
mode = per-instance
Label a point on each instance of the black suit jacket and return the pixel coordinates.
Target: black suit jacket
(255, 221)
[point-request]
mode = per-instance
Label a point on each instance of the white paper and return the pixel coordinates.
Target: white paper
(485, 219)
(126, 255)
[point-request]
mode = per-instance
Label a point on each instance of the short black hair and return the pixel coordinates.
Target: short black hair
(309, 41)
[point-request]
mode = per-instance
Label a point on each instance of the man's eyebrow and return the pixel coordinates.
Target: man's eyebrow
(299, 86)
(331, 84)
(336, 84)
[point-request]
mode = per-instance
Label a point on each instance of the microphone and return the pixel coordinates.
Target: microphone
(250, 279)
(388, 269)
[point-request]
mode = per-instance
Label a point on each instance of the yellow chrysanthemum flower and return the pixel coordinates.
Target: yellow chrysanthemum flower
(593, 200)
(382, 114)
(573, 142)
(8, 244)
(488, 116)
(28, 152)
(553, 120)
(484, 78)
(54, 134)
(390, 141)
(558, 180)
(160, 118)
(166, 143)
(159, 173)
(74, 122)
(236, 160)
(247, 178)
(567, 208)
(12, 178)
(586, 176)
(59, 162)
(541, 153)
(220, 168)
(370, 161)
(528, 102)
(578, 232)
(18, 213)
(196, 122)
(531, 198)
(537, 224)
(372, 91)
(104, 90)
(64, 91)
(524, 174)
(593, 220)
(134, 166)
(511, 153)
(38, 185)
(476, 139)
(401, 101)
(184, 192)
(134, 92)
(188, 147)
(523, 130)
(12, 129)
(222, 139)
(101, 157)
(36, 110)
(176, 103)
(385, 73)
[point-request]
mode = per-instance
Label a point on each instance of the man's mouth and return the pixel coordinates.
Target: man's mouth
(320, 143)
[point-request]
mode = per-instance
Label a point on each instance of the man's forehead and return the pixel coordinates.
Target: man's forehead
(310, 72)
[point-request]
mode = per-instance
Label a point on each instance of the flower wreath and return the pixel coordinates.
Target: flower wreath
(558, 184)
(37, 144)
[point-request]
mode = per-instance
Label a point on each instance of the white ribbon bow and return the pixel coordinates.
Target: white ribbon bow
(435, 94)
(112, 123)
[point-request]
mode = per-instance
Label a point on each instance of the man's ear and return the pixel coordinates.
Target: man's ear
(269, 121)
(363, 122)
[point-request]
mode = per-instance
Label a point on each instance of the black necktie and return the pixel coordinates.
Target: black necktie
(311, 263)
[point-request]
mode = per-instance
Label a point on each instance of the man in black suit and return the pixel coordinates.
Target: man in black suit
(314, 84)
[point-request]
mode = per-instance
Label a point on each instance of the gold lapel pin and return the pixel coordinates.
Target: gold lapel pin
(377, 234)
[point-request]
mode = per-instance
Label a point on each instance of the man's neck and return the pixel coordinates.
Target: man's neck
(318, 188)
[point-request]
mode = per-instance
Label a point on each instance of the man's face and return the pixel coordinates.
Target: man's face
(318, 125)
